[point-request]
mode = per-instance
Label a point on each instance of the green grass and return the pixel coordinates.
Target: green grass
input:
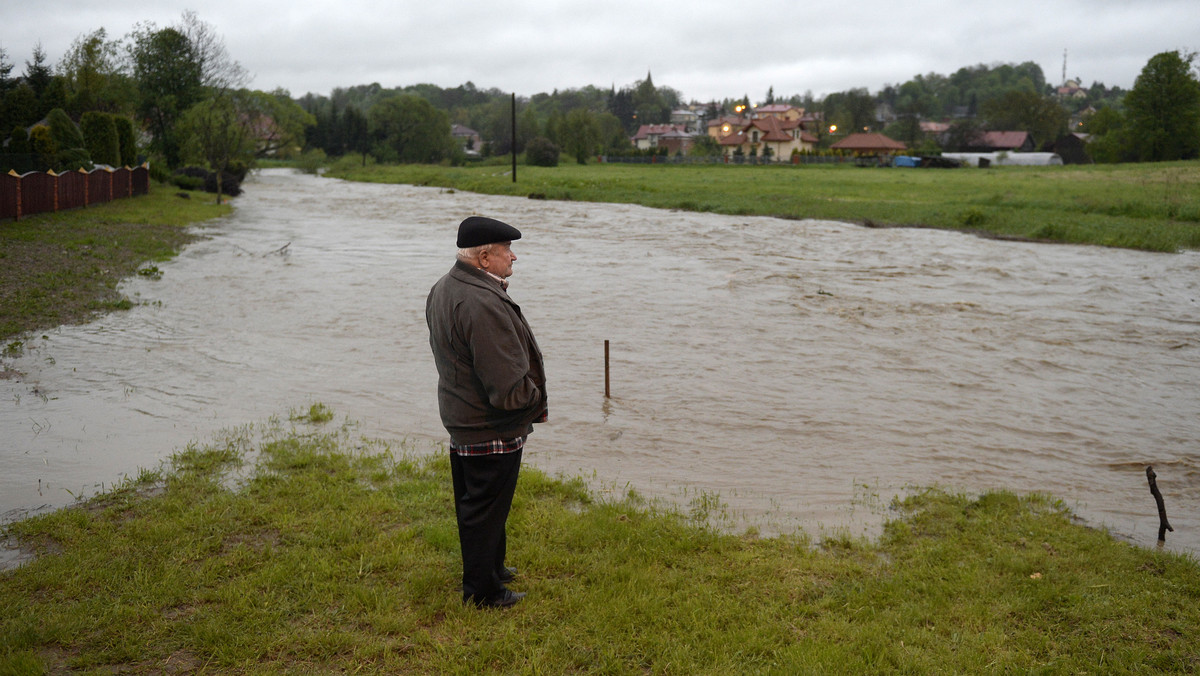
(300, 547)
(1142, 206)
(64, 268)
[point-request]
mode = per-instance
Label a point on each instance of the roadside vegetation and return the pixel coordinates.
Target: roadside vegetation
(298, 546)
(65, 267)
(1155, 207)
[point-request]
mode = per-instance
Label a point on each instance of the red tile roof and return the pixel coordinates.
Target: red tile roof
(868, 142)
(648, 130)
(1004, 140)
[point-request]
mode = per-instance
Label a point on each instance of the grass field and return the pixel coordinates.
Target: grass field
(1142, 206)
(64, 268)
(298, 547)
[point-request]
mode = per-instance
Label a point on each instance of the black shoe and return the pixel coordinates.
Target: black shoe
(506, 574)
(505, 599)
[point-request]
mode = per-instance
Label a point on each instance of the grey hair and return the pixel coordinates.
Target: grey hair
(472, 253)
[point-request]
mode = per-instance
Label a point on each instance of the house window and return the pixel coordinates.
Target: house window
(755, 139)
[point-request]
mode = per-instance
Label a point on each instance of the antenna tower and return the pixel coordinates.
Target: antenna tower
(1064, 80)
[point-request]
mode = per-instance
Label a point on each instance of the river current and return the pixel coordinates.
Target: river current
(804, 372)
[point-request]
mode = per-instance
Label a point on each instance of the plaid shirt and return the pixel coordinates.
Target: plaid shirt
(489, 447)
(495, 446)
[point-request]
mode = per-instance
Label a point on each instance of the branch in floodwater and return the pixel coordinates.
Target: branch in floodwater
(1163, 524)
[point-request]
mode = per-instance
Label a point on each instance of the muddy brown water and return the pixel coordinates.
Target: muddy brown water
(802, 371)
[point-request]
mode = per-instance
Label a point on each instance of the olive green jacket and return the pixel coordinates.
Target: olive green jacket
(491, 380)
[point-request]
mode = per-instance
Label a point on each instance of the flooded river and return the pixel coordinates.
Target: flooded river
(802, 371)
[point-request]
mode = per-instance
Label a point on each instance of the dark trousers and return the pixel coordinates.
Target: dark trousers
(483, 494)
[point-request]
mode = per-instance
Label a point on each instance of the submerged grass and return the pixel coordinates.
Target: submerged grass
(336, 553)
(64, 268)
(1154, 207)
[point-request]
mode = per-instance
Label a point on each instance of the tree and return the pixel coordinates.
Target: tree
(100, 137)
(852, 110)
(620, 104)
(217, 69)
(20, 107)
(38, 73)
(649, 104)
(6, 81)
(580, 134)
(275, 120)
(541, 152)
(91, 71)
(167, 72)
(963, 133)
(410, 129)
(1037, 114)
(705, 146)
(218, 134)
(126, 140)
(1109, 140)
(357, 132)
(18, 142)
(612, 133)
(1163, 109)
(70, 149)
(41, 143)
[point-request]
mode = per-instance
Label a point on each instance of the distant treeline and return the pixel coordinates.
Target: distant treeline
(1015, 96)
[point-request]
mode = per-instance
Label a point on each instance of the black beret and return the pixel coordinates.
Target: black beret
(478, 230)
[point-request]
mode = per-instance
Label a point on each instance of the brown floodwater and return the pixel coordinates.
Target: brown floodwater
(804, 372)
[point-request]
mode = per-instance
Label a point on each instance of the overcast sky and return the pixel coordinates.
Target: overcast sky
(704, 49)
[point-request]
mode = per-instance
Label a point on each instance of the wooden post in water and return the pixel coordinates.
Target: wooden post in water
(1163, 525)
(606, 390)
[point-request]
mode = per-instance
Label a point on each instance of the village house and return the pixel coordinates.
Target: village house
(766, 136)
(782, 111)
(872, 144)
(650, 135)
(726, 125)
(688, 119)
(1072, 90)
(467, 138)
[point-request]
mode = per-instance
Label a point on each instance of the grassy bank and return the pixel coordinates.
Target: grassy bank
(1142, 206)
(64, 268)
(325, 552)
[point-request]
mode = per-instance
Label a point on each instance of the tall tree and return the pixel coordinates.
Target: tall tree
(620, 104)
(580, 134)
(649, 104)
(1163, 109)
(7, 82)
(276, 122)
(218, 133)
(91, 70)
(168, 75)
(100, 137)
(410, 129)
(38, 72)
(217, 69)
(357, 132)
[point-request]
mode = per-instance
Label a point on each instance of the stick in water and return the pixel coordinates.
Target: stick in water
(1163, 525)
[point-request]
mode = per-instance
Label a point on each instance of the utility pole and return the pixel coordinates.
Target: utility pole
(514, 136)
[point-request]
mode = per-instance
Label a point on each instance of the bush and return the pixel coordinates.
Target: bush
(311, 161)
(18, 142)
(541, 152)
(193, 178)
(100, 138)
(126, 141)
(64, 131)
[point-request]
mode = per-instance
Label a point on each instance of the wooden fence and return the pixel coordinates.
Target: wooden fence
(38, 192)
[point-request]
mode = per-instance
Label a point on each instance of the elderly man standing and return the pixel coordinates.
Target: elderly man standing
(491, 389)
